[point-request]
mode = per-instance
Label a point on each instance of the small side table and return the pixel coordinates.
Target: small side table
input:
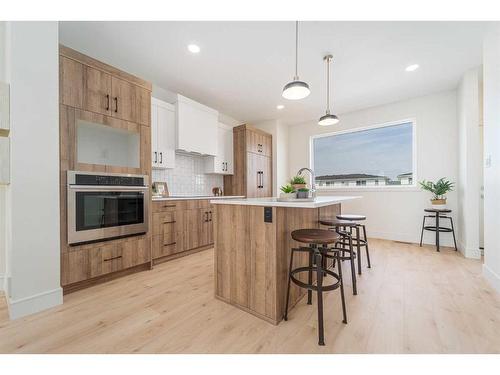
(438, 214)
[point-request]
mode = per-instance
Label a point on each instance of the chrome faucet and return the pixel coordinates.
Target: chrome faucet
(313, 180)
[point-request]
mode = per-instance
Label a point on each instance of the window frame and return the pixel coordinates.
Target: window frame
(412, 187)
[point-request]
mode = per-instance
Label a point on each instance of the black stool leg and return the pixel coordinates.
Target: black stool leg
(358, 249)
(353, 268)
(288, 288)
(342, 297)
(310, 278)
(366, 247)
(453, 232)
(422, 234)
(319, 285)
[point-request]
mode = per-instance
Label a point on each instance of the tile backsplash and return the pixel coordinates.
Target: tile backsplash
(188, 177)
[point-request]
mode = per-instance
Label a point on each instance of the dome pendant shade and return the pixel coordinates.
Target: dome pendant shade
(296, 90)
(328, 119)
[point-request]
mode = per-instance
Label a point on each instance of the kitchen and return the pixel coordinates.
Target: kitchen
(187, 208)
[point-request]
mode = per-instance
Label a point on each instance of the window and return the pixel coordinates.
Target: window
(378, 156)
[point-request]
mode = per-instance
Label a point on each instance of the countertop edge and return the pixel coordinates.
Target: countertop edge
(197, 198)
(250, 202)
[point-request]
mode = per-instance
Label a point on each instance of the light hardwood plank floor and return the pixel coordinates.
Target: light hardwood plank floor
(413, 300)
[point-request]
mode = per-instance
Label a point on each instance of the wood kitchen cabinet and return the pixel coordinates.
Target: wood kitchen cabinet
(93, 86)
(96, 98)
(253, 172)
(181, 228)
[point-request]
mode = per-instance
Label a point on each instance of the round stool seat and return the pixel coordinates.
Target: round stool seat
(351, 217)
(337, 223)
(315, 236)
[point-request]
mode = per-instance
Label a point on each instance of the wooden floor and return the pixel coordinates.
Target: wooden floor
(413, 300)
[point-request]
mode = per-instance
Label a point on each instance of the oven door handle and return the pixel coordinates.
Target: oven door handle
(107, 187)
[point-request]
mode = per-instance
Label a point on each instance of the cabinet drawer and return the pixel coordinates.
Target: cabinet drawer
(118, 256)
(105, 259)
(162, 206)
(164, 222)
(167, 244)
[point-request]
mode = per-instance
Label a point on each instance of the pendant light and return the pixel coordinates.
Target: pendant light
(328, 119)
(296, 89)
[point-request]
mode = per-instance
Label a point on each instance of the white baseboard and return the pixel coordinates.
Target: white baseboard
(492, 277)
(410, 237)
(32, 304)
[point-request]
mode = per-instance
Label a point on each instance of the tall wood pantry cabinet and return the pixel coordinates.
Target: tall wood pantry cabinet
(253, 171)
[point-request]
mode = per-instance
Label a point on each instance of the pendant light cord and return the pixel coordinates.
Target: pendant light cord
(328, 85)
(296, 49)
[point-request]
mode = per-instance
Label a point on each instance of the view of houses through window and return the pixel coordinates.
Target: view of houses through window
(377, 156)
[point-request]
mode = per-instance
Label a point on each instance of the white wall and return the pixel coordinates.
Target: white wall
(2, 188)
(491, 128)
(470, 163)
(33, 195)
(280, 152)
(394, 213)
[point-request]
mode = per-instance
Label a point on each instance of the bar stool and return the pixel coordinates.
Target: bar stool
(438, 214)
(358, 242)
(347, 252)
(317, 241)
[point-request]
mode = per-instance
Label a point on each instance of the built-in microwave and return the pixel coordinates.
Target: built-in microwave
(105, 206)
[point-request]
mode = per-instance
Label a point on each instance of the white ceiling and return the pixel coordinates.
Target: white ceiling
(243, 66)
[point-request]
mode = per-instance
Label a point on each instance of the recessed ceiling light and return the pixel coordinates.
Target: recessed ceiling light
(412, 68)
(280, 106)
(193, 48)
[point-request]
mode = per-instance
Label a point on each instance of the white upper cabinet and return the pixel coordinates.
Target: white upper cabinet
(162, 134)
(196, 127)
(222, 163)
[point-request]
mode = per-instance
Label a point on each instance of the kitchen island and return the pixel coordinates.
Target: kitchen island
(252, 249)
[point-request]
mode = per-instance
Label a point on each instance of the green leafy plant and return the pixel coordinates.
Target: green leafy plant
(438, 188)
(287, 189)
(305, 190)
(298, 180)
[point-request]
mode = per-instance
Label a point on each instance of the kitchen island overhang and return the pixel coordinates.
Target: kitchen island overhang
(252, 249)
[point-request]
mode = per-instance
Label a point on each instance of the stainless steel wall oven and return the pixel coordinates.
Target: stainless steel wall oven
(104, 206)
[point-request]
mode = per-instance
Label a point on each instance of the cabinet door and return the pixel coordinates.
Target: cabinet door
(97, 91)
(124, 100)
(71, 82)
(267, 145)
(253, 175)
(143, 105)
(265, 166)
(154, 135)
(166, 137)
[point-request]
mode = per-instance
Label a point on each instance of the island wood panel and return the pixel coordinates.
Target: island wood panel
(252, 257)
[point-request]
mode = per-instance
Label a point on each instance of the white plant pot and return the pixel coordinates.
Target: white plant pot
(288, 195)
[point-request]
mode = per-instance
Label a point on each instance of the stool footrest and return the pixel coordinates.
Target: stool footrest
(314, 287)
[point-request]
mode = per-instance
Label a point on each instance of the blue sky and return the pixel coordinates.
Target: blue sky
(385, 151)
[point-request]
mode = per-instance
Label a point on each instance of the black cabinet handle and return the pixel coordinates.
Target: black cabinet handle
(169, 244)
(206, 216)
(161, 157)
(169, 205)
(116, 104)
(107, 102)
(113, 258)
(156, 157)
(169, 222)
(210, 212)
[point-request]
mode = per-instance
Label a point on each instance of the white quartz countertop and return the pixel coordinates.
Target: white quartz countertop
(321, 201)
(191, 197)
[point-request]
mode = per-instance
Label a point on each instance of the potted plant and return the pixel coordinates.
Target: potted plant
(288, 192)
(298, 182)
(303, 193)
(439, 189)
